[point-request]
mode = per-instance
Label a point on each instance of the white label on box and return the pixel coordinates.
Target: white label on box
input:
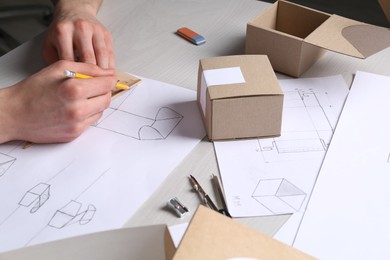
(215, 77)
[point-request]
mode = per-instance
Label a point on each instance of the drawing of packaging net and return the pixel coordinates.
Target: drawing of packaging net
(140, 127)
(6, 162)
(71, 213)
(166, 120)
(39, 194)
(279, 196)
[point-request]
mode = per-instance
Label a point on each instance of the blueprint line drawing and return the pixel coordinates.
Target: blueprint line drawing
(6, 162)
(312, 134)
(277, 175)
(71, 213)
(279, 196)
(124, 122)
(36, 196)
(163, 119)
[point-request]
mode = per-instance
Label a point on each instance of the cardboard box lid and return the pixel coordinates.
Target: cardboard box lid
(385, 4)
(260, 79)
(344, 35)
(211, 235)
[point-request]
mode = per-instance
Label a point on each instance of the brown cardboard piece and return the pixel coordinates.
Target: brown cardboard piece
(385, 4)
(211, 235)
(294, 37)
(248, 108)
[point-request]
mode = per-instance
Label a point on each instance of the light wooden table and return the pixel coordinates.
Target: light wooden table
(146, 45)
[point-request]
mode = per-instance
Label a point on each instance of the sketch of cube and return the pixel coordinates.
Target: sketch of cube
(71, 213)
(5, 163)
(87, 215)
(65, 215)
(39, 194)
(279, 196)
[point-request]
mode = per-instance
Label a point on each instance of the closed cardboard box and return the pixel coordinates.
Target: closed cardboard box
(294, 37)
(239, 97)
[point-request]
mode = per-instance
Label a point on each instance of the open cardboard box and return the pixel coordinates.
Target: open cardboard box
(239, 97)
(211, 235)
(385, 4)
(294, 37)
(145, 242)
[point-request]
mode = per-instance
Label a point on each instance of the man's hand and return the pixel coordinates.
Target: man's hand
(47, 107)
(76, 35)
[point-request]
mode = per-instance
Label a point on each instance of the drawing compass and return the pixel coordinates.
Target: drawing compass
(206, 198)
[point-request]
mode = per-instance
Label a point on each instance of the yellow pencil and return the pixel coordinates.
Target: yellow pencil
(72, 74)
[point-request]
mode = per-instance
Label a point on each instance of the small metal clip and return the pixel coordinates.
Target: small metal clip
(177, 207)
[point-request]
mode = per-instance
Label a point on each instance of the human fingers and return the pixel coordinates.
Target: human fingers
(83, 42)
(111, 62)
(85, 109)
(84, 68)
(72, 131)
(50, 53)
(102, 44)
(61, 38)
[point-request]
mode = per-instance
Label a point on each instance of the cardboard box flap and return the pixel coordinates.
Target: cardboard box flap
(385, 4)
(117, 244)
(210, 235)
(350, 37)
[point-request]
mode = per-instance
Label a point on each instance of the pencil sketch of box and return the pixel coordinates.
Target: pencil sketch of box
(37, 195)
(71, 213)
(141, 127)
(5, 163)
(279, 196)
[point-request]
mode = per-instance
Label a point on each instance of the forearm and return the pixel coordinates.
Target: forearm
(72, 6)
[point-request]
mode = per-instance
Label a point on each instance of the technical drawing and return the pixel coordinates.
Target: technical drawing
(71, 213)
(36, 196)
(312, 133)
(166, 120)
(142, 128)
(39, 194)
(117, 119)
(279, 196)
(6, 162)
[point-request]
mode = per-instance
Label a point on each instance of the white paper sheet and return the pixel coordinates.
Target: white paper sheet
(276, 175)
(177, 232)
(349, 211)
(99, 180)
